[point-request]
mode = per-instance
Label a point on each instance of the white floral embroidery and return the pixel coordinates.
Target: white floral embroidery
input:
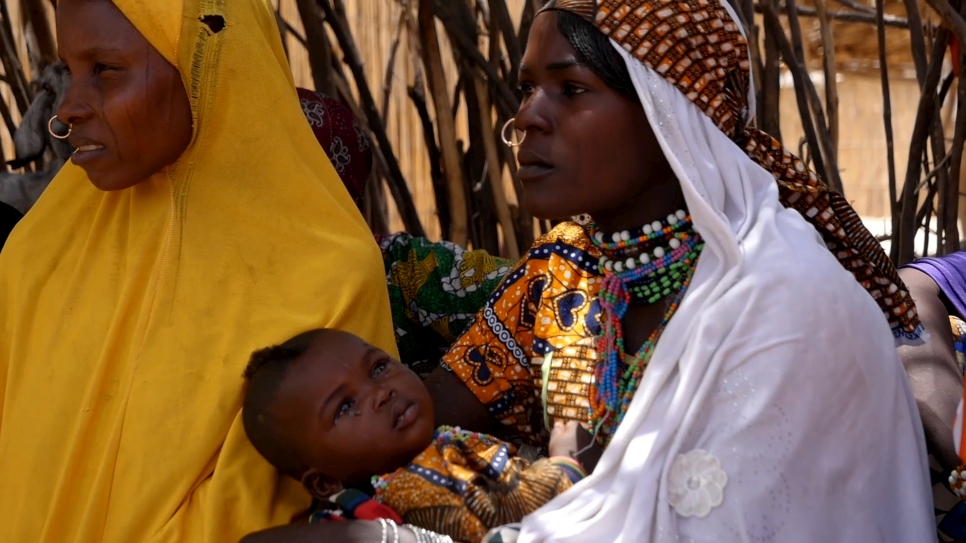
(314, 112)
(339, 155)
(696, 483)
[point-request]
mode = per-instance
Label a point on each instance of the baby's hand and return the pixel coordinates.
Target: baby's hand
(563, 439)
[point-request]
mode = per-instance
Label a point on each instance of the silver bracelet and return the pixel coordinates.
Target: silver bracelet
(385, 530)
(425, 536)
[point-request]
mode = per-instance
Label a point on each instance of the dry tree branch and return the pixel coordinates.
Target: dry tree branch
(317, 44)
(845, 16)
(857, 7)
(949, 202)
(775, 29)
(11, 61)
(831, 85)
(904, 250)
(829, 156)
(917, 40)
(887, 113)
(7, 117)
(471, 52)
(440, 191)
(452, 168)
(391, 67)
(530, 8)
(510, 40)
(34, 22)
(951, 18)
(287, 28)
(771, 85)
(335, 17)
(933, 173)
(495, 172)
(283, 30)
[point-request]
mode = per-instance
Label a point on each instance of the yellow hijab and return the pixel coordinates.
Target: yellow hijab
(126, 318)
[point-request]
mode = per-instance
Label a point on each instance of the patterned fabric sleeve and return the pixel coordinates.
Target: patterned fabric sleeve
(493, 356)
(544, 304)
(435, 289)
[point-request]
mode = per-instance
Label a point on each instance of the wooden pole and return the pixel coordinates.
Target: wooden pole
(495, 172)
(446, 126)
(335, 16)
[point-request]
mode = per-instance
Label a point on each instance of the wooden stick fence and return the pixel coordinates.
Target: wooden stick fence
(460, 59)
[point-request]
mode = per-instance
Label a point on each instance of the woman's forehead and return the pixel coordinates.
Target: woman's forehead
(547, 48)
(155, 22)
(89, 27)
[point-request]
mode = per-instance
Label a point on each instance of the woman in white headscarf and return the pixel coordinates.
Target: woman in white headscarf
(719, 335)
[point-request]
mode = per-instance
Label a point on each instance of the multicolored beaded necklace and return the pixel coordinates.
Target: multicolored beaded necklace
(643, 266)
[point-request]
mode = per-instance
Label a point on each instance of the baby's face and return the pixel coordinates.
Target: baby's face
(352, 410)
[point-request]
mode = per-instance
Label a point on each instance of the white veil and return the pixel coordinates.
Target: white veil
(778, 365)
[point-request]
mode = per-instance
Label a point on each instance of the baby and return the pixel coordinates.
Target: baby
(328, 409)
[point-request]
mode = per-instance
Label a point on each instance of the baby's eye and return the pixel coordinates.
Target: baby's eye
(379, 368)
(345, 408)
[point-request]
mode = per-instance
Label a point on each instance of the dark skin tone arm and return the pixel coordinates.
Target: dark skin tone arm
(933, 372)
(360, 531)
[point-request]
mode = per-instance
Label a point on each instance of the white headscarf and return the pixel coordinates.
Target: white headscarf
(776, 384)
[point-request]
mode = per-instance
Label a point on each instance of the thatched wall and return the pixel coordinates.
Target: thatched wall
(375, 24)
(862, 146)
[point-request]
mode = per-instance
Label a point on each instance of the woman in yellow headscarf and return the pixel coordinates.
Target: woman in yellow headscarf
(197, 220)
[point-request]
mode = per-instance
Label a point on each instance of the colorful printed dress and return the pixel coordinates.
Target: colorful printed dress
(466, 484)
(529, 356)
(463, 485)
(435, 290)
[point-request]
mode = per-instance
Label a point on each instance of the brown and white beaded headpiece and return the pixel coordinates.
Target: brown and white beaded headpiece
(698, 47)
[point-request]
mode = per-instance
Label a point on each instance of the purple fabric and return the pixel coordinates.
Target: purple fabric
(949, 272)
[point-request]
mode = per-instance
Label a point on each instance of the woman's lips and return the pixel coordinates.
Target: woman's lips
(532, 165)
(87, 153)
(529, 172)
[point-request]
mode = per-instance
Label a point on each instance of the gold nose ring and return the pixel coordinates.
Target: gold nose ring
(50, 128)
(509, 141)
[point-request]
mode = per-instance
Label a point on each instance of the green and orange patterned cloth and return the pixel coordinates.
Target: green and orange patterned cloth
(435, 290)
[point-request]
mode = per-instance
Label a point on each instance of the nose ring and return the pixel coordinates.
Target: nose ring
(509, 141)
(50, 128)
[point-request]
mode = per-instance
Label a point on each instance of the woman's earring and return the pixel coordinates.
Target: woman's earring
(509, 141)
(584, 219)
(50, 128)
